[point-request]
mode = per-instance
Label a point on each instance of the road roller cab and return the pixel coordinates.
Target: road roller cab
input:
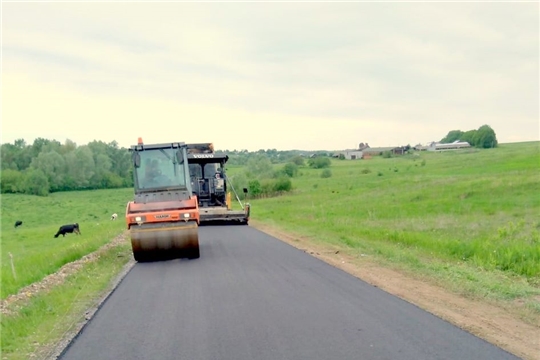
(163, 218)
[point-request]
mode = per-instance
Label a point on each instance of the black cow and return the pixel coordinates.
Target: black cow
(18, 223)
(70, 228)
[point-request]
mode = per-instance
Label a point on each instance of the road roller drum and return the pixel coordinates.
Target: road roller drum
(163, 218)
(162, 241)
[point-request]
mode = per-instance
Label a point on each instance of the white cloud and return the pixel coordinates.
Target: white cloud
(388, 73)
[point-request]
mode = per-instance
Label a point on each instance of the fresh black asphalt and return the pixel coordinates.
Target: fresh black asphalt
(250, 296)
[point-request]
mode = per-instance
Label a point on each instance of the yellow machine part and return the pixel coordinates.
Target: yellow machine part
(162, 241)
(228, 201)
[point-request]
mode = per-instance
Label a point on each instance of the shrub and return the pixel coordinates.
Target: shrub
(326, 173)
(319, 162)
(254, 187)
(283, 184)
(278, 173)
(298, 160)
(290, 169)
(267, 186)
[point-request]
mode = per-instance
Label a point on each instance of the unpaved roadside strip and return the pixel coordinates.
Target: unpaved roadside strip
(487, 321)
(54, 352)
(14, 302)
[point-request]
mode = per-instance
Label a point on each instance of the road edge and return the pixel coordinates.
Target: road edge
(64, 344)
(458, 311)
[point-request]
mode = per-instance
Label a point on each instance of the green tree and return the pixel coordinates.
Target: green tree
(80, 168)
(470, 137)
(70, 179)
(8, 157)
(17, 156)
(485, 137)
(298, 160)
(319, 162)
(69, 146)
(11, 181)
(103, 164)
(53, 166)
(35, 183)
(452, 136)
(67, 167)
(43, 145)
(52, 145)
(112, 181)
(120, 160)
(290, 169)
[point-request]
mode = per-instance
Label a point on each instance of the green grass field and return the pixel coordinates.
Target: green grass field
(478, 207)
(45, 317)
(455, 215)
(34, 331)
(467, 219)
(35, 252)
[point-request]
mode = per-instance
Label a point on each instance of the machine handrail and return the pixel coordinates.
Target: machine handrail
(237, 198)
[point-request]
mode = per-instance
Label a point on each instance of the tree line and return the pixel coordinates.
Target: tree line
(47, 166)
(483, 137)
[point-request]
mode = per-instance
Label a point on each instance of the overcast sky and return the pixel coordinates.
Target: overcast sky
(283, 75)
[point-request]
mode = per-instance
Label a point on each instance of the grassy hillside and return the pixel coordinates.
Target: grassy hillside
(474, 210)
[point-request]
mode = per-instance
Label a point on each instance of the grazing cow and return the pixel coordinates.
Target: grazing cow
(18, 223)
(70, 228)
(114, 216)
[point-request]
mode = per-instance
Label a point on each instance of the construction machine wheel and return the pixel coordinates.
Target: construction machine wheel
(165, 241)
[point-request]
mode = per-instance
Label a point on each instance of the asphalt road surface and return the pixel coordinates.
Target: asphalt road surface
(250, 296)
